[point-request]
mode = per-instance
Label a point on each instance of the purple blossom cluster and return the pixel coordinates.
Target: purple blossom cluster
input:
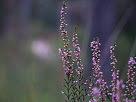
(130, 86)
(66, 52)
(95, 86)
(96, 70)
(77, 53)
(115, 76)
(114, 60)
(77, 59)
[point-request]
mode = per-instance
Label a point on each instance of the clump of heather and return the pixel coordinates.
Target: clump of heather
(73, 85)
(95, 86)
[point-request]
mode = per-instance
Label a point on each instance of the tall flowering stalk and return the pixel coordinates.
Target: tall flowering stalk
(66, 53)
(130, 87)
(80, 68)
(115, 76)
(97, 72)
(134, 93)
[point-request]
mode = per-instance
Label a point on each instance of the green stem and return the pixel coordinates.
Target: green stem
(68, 89)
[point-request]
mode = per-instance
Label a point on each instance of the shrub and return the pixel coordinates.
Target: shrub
(95, 86)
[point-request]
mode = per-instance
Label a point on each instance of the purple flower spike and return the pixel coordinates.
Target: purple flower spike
(66, 53)
(96, 70)
(77, 53)
(62, 92)
(130, 87)
(115, 76)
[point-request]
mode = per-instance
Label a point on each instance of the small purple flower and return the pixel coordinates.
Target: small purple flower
(62, 92)
(95, 90)
(60, 51)
(75, 82)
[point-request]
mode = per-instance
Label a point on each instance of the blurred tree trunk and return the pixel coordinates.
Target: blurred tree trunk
(24, 18)
(1, 16)
(9, 16)
(16, 18)
(15, 26)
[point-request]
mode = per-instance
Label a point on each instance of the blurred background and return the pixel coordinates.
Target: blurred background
(30, 66)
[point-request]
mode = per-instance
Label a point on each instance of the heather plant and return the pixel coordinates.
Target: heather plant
(95, 87)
